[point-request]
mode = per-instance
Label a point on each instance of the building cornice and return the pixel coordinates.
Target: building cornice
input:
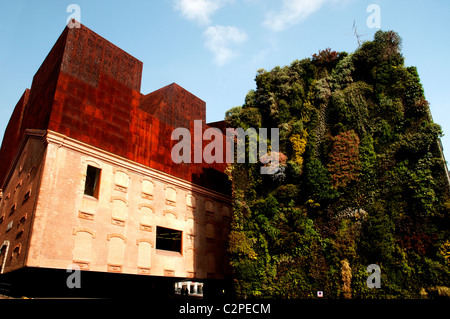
(60, 140)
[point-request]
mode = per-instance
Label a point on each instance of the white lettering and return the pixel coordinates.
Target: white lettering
(374, 280)
(74, 280)
(216, 146)
(74, 20)
(374, 20)
(181, 152)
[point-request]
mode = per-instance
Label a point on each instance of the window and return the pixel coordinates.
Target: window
(19, 234)
(82, 248)
(119, 211)
(92, 184)
(13, 209)
(146, 218)
(171, 196)
(116, 252)
(209, 230)
(121, 180)
(191, 202)
(210, 263)
(144, 255)
(16, 251)
(26, 197)
(22, 220)
(168, 239)
(147, 189)
(18, 186)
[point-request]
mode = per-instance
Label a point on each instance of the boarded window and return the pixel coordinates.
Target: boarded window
(226, 211)
(171, 196)
(119, 210)
(210, 263)
(147, 187)
(209, 206)
(121, 179)
(209, 231)
(144, 254)
(191, 202)
(146, 218)
(190, 259)
(116, 251)
(190, 226)
(209, 210)
(83, 246)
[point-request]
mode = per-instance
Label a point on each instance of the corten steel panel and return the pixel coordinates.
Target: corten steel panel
(89, 89)
(174, 105)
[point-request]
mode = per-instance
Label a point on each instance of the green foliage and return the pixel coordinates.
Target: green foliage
(362, 180)
(318, 181)
(244, 117)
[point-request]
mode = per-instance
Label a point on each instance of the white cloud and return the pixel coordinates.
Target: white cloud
(221, 41)
(199, 11)
(291, 13)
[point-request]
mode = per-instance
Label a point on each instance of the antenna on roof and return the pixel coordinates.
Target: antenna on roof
(357, 35)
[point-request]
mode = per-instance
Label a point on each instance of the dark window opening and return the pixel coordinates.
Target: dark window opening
(22, 221)
(26, 197)
(168, 239)
(12, 210)
(92, 184)
(19, 234)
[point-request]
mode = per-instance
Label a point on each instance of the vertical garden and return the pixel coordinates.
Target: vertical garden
(361, 181)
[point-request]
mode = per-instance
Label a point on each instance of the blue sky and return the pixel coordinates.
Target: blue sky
(213, 48)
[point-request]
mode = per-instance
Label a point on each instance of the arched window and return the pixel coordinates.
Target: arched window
(209, 207)
(171, 196)
(16, 251)
(147, 189)
(121, 180)
(119, 211)
(210, 263)
(209, 230)
(191, 202)
(147, 216)
(116, 252)
(82, 249)
(144, 255)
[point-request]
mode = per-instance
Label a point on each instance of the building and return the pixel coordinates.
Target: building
(87, 178)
